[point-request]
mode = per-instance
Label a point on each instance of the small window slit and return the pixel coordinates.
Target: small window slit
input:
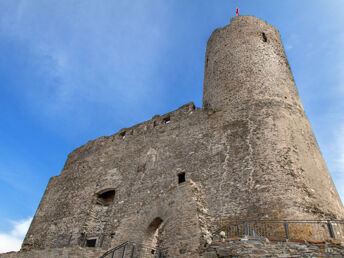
(181, 178)
(265, 39)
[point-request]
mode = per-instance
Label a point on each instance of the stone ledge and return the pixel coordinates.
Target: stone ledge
(246, 247)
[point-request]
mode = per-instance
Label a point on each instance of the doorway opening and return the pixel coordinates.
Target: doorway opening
(151, 240)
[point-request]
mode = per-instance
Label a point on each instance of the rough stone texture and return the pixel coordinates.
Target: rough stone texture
(265, 248)
(143, 168)
(66, 252)
(281, 171)
(186, 228)
(250, 151)
(279, 229)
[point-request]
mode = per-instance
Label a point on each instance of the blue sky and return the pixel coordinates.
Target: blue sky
(72, 71)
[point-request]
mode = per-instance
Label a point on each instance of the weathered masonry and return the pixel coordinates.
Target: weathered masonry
(249, 153)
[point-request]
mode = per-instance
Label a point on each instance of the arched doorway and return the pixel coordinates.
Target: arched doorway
(151, 237)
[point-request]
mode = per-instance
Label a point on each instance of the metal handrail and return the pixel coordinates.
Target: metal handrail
(134, 248)
(114, 249)
(283, 228)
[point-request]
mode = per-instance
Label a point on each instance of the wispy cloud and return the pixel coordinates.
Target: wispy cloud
(337, 162)
(329, 88)
(11, 241)
(89, 53)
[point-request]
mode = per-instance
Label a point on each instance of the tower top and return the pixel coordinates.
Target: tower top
(245, 62)
(248, 19)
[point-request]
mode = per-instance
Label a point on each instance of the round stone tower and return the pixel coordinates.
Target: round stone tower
(248, 79)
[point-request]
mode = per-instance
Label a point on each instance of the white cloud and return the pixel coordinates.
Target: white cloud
(12, 240)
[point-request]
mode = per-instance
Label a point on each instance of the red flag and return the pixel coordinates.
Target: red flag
(237, 12)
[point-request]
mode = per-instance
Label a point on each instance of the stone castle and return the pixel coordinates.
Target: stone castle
(248, 154)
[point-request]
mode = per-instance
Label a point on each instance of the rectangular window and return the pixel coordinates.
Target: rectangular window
(91, 242)
(181, 178)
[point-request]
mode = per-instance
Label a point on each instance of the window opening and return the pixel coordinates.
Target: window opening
(167, 120)
(181, 178)
(106, 198)
(91, 242)
(265, 39)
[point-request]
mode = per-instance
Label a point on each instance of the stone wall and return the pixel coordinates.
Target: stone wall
(247, 75)
(234, 247)
(256, 158)
(265, 248)
(185, 223)
(67, 252)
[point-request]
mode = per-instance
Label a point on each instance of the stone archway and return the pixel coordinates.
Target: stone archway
(151, 237)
